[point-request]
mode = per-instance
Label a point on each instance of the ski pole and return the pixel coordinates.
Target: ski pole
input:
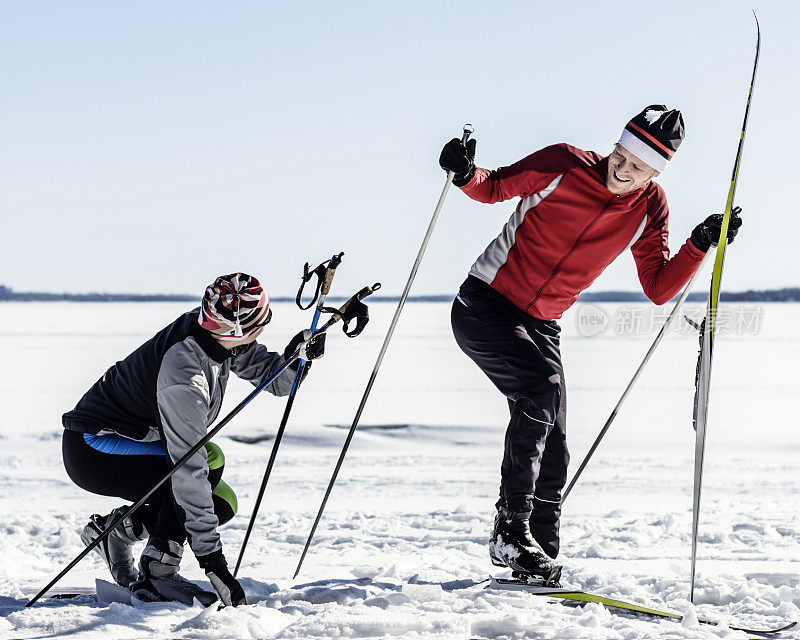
(325, 273)
(635, 377)
(344, 313)
(468, 129)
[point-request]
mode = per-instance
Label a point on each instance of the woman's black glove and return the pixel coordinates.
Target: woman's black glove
(228, 587)
(459, 159)
(707, 232)
(310, 347)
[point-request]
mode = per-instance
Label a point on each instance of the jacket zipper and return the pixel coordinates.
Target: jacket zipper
(557, 268)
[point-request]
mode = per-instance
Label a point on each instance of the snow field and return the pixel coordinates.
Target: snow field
(403, 542)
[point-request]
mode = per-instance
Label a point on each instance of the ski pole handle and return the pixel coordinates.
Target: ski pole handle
(342, 312)
(330, 271)
(468, 131)
(324, 272)
(324, 286)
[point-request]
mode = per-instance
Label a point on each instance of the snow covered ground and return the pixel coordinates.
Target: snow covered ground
(404, 537)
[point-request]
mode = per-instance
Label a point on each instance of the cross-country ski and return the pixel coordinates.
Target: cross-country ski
(577, 597)
(729, 222)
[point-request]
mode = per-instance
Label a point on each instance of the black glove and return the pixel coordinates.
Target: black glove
(459, 159)
(310, 348)
(228, 587)
(707, 232)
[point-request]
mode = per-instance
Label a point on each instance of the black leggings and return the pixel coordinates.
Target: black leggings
(131, 476)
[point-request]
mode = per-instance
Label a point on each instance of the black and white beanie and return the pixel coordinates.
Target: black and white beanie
(654, 135)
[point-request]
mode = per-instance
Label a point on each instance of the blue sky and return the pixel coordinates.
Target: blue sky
(150, 146)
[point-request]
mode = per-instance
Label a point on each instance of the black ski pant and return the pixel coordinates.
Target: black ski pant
(130, 476)
(520, 355)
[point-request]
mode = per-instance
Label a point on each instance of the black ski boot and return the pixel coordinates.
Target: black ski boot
(159, 579)
(117, 548)
(513, 546)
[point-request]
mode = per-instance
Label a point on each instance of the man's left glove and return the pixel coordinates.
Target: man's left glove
(310, 347)
(707, 232)
(228, 587)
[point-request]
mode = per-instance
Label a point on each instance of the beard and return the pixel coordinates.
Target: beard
(620, 187)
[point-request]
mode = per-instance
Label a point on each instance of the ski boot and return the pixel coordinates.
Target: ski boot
(117, 548)
(513, 546)
(159, 580)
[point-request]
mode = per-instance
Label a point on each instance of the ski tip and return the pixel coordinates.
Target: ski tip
(758, 29)
(764, 632)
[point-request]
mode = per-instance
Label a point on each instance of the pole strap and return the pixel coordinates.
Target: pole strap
(353, 310)
(324, 272)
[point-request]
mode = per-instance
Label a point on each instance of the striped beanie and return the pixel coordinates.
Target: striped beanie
(234, 306)
(654, 135)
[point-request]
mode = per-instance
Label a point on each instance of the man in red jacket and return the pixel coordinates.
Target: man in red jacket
(578, 212)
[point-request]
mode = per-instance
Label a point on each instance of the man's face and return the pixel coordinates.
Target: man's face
(626, 172)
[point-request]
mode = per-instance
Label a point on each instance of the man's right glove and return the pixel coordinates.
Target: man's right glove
(707, 232)
(228, 587)
(459, 159)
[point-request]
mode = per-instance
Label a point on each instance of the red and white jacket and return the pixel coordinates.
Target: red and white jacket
(569, 227)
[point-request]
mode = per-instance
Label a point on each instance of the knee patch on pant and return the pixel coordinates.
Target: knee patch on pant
(540, 403)
(216, 458)
(534, 413)
(225, 503)
(216, 463)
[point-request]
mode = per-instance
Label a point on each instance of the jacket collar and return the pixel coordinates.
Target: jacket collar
(214, 349)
